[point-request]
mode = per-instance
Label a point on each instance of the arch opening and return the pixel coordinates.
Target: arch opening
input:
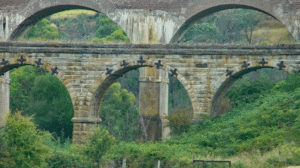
(268, 75)
(100, 99)
(35, 91)
(24, 27)
(211, 16)
(108, 81)
(83, 24)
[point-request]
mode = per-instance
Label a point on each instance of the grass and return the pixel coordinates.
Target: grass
(274, 35)
(72, 14)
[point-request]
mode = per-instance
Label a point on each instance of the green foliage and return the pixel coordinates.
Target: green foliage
(225, 106)
(119, 114)
(264, 42)
(147, 155)
(83, 27)
(247, 22)
(178, 97)
(202, 32)
(24, 143)
(238, 164)
(63, 154)
(22, 81)
(98, 143)
(35, 91)
(106, 26)
(44, 30)
(247, 91)
(51, 103)
(289, 85)
(264, 123)
(227, 26)
(180, 121)
(117, 36)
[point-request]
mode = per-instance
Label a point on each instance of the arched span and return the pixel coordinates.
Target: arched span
(103, 82)
(203, 12)
(36, 10)
(224, 83)
(14, 63)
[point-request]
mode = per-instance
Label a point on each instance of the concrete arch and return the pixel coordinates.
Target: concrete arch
(225, 82)
(13, 63)
(102, 83)
(38, 9)
(201, 9)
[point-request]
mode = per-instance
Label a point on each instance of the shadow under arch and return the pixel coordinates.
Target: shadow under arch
(226, 84)
(103, 82)
(193, 19)
(39, 14)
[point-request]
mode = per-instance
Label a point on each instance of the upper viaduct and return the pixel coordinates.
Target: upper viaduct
(205, 71)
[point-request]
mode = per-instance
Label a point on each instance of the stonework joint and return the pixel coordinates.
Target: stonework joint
(152, 79)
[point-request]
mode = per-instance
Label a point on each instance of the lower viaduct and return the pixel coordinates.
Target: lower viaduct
(153, 26)
(87, 70)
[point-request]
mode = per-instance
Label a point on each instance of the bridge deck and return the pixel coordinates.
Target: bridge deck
(157, 49)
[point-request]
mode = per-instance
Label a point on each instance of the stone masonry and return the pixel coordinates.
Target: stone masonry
(82, 69)
(4, 98)
(144, 21)
(202, 69)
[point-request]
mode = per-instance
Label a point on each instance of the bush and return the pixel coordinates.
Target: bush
(43, 29)
(180, 121)
(117, 36)
(225, 106)
(290, 84)
(247, 91)
(24, 144)
(97, 144)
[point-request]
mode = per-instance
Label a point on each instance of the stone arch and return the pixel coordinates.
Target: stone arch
(38, 9)
(224, 82)
(97, 90)
(198, 11)
(13, 63)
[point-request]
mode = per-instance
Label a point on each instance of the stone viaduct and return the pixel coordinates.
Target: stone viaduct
(205, 71)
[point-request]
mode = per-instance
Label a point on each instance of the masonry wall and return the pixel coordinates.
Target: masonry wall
(201, 73)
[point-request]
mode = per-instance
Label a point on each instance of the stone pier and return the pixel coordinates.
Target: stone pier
(153, 102)
(4, 98)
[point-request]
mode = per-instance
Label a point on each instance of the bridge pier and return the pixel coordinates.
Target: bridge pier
(4, 98)
(153, 103)
(82, 126)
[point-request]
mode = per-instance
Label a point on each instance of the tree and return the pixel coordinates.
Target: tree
(97, 144)
(22, 80)
(35, 91)
(117, 36)
(43, 29)
(106, 26)
(130, 81)
(247, 23)
(228, 27)
(24, 144)
(202, 32)
(51, 103)
(119, 114)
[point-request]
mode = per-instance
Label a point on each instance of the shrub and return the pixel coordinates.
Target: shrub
(97, 144)
(180, 121)
(225, 106)
(24, 143)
